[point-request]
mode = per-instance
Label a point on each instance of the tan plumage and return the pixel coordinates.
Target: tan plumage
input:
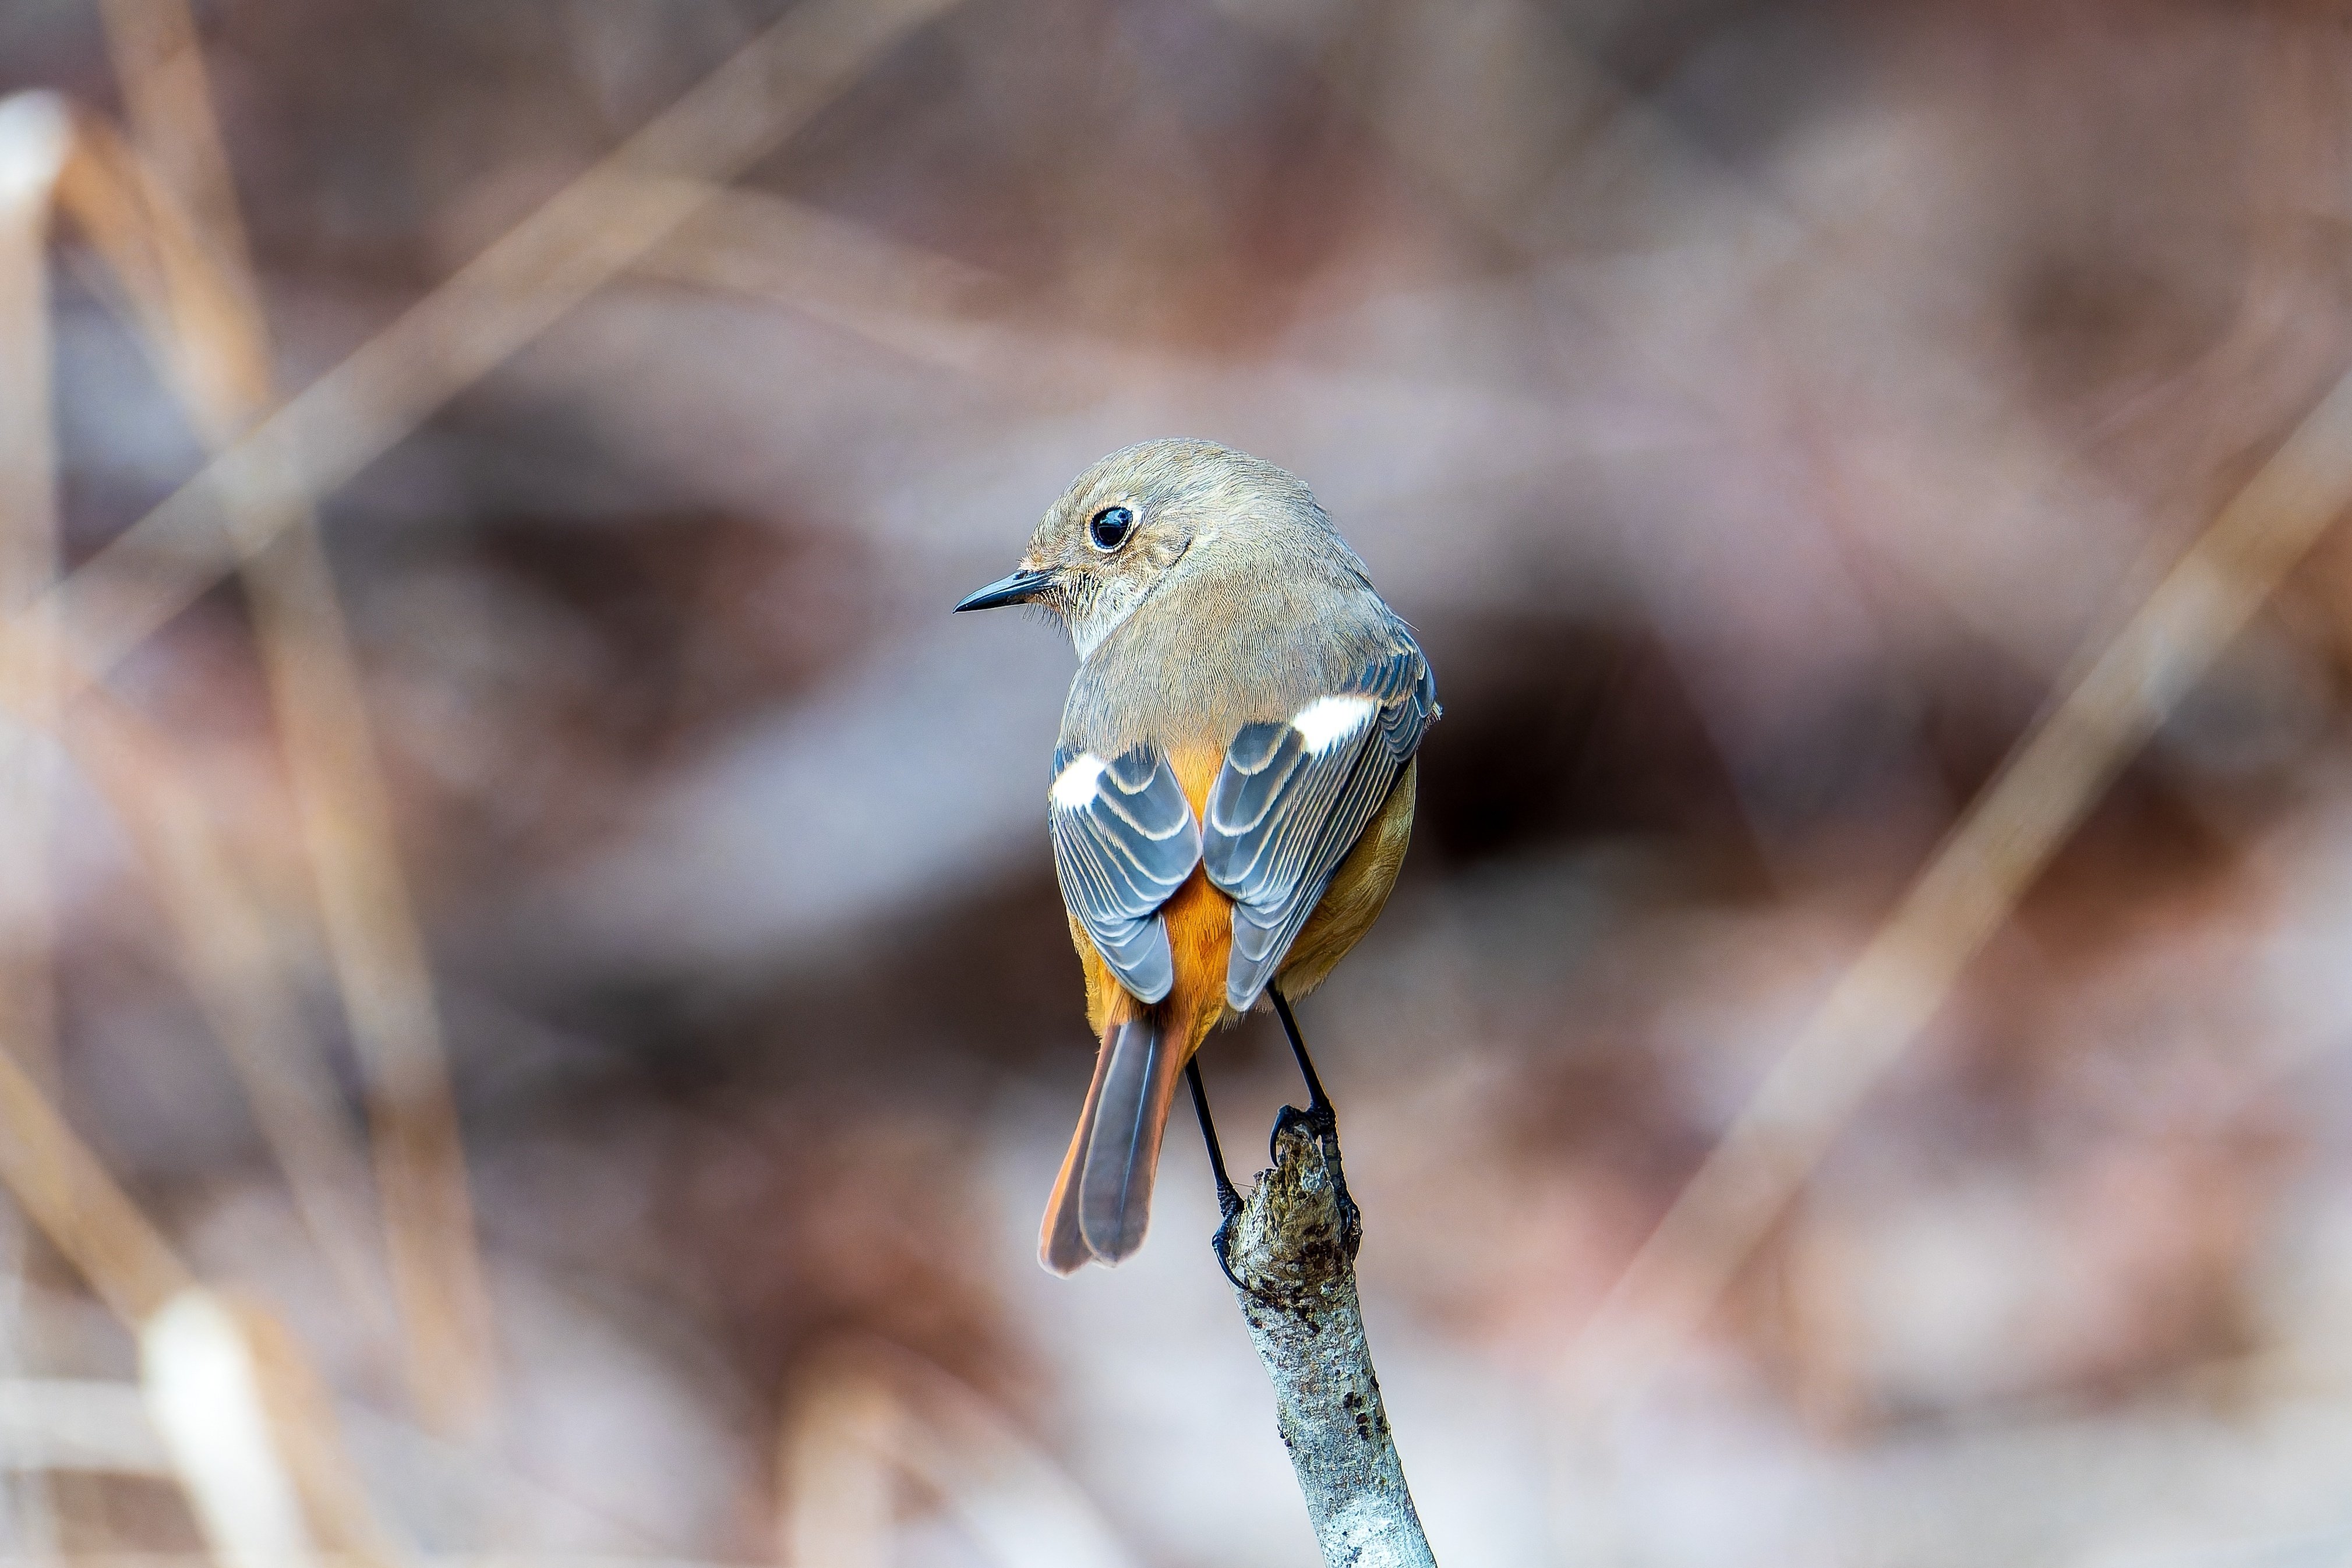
(1236, 757)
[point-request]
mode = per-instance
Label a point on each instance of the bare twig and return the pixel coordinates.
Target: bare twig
(1290, 1251)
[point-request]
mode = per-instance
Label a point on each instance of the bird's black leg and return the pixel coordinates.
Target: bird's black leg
(1229, 1201)
(1319, 1105)
(1320, 1118)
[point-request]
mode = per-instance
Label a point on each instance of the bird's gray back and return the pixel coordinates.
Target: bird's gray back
(1233, 636)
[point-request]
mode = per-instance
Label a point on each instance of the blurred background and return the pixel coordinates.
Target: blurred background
(539, 1024)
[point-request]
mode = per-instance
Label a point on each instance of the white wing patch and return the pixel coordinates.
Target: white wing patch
(1124, 841)
(1328, 720)
(1292, 799)
(1078, 782)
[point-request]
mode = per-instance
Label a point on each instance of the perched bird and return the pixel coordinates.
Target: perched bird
(1233, 789)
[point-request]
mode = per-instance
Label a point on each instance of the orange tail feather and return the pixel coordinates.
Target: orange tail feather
(1061, 1244)
(1102, 1201)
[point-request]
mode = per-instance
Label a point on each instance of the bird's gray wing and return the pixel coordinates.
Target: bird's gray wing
(1124, 840)
(1292, 797)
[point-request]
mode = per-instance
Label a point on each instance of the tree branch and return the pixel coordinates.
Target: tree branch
(1290, 1251)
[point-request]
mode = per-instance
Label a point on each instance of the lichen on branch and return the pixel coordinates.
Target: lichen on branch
(1290, 1251)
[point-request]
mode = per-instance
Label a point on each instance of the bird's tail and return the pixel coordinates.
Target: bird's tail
(1102, 1200)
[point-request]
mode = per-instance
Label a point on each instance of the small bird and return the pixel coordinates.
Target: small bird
(1232, 787)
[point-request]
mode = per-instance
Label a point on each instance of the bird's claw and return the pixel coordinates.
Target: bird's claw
(1221, 1244)
(1318, 1119)
(1323, 1122)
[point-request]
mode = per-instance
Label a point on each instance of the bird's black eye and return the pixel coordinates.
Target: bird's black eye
(1110, 527)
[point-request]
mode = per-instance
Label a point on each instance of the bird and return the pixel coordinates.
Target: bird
(1232, 788)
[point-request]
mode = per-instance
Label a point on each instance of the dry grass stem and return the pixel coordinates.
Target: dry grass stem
(200, 1359)
(167, 95)
(70, 1423)
(78, 1205)
(872, 1423)
(383, 972)
(516, 288)
(519, 285)
(1969, 888)
(194, 315)
(204, 1395)
(251, 1436)
(306, 1435)
(234, 971)
(573, 244)
(36, 140)
(211, 344)
(378, 953)
(769, 247)
(152, 257)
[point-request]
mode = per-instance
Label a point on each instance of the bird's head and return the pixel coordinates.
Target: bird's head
(1131, 521)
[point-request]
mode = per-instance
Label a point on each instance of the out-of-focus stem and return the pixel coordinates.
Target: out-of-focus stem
(1993, 854)
(77, 1204)
(584, 236)
(35, 137)
(207, 328)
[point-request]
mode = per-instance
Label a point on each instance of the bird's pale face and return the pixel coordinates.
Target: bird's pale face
(1097, 555)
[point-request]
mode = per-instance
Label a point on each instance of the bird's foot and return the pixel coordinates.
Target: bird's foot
(1229, 1201)
(1322, 1123)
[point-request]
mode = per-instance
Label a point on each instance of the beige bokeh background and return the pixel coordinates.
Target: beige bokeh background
(537, 1022)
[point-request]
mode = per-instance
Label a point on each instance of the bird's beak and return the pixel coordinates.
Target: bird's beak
(1017, 589)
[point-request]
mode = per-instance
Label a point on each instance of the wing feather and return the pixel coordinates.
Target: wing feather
(1124, 841)
(1292, 797)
